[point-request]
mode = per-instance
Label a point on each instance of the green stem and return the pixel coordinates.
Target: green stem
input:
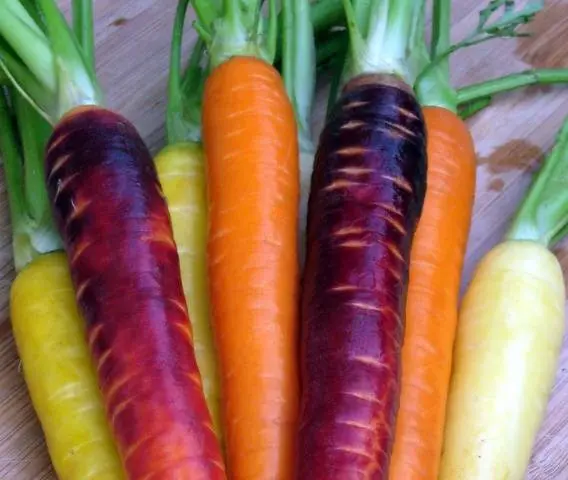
(326, 14)
(48, 68)
(34, 137)
(13, 167)
(179, 126)
(329, 49)
(335, 84)
(543, 213)
(434, 88)
(232, 13)
(559, 236)
(193, 79)
(298, 65)
(271, 30)
(33, 232)
(239, 30)
(83, 26)
(381, 37)
(512, 82)
(33, 9)
(20, 31)
(207, 12)
(470, 109)
(441, 20)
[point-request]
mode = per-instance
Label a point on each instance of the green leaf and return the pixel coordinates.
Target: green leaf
(503, 25)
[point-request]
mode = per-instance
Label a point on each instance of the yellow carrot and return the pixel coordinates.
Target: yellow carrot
(511, 327)
(57, 367)
(509, 336)
(181, 171)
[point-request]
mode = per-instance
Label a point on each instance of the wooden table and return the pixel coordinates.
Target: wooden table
(511, 137)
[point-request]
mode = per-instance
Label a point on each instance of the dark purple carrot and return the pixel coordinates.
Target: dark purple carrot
(111, 213)
(366, 198)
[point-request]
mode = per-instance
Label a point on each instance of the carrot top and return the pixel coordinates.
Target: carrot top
(543, 214)
(45, 70)
(499, 19)
(185, 90)
(237, 28)
(50, 66)
(299, 65)
(23, 136)
(385, 36)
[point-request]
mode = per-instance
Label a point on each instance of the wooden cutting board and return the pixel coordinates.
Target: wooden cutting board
(511, 138)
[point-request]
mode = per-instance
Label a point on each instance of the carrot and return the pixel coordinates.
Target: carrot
(510, 331)
(250, 142)
(181, 171)
(436, 262)
(122, 258)
(366, 198)
(435, 268)
(48, 330)
(431, 311)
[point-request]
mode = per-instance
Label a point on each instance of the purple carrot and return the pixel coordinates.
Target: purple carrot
(113, 218)
(367, 192)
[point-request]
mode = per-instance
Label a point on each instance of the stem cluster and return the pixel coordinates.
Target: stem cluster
(48, 64)
(23, 137)
(239, 29)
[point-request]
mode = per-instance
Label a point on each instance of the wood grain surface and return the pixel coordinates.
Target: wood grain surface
(132, 39)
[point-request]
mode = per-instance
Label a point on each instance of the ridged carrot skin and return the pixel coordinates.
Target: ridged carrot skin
(436, 262)
(114, 221)
(250, 142)
(59, 372)
(181, 171)
(510, 331)
(367, 192)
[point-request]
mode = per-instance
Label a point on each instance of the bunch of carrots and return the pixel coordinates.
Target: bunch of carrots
(251, 303)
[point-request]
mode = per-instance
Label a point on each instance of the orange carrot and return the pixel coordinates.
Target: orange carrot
(436, 262)
(437, 258)
(251, 146)
(250, 142)
(432, 303)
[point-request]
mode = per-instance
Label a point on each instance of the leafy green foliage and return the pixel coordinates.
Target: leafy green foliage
(500, 19)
